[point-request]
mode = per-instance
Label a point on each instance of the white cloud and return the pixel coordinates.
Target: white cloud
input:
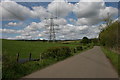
(102, 26)
(40, 35)
(60, 21)
(88, 21)
(57, 21)
(112, 12)
(40, 12)
(7, 31)
(77, 32)
(90, 13)
(14, 24)
(91, 0)
(68, 31)
(72, 20)
(87, 9)
(11, 10)
(87, 15)
(60, 8)
(23, 37)
(34, 26)
(118, 19)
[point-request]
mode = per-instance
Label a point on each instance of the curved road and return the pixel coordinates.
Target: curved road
(88, 64)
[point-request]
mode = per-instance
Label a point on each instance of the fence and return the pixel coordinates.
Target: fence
(23, 60)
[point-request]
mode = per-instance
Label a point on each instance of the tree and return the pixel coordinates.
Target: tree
(108, 19)
(85, 40)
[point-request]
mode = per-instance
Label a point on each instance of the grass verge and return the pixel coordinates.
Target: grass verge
(113, 57)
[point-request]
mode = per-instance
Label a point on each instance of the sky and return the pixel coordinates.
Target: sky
(28, 20)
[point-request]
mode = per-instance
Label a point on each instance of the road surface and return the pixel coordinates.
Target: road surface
(88, 64)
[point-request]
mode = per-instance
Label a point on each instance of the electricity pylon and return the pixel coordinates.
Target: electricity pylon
(52, 36)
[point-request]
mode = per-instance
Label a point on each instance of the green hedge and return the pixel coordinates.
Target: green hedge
(79, 48)
(110, 35)
(57, 52)
(12, 69)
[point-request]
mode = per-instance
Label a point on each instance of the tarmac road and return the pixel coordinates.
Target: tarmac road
(89, 64)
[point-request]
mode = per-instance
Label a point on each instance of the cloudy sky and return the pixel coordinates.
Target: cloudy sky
(28, 20)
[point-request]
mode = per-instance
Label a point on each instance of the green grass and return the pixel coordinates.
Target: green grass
(114, 58)
(17, 70)
(12, 69)
(11, 47)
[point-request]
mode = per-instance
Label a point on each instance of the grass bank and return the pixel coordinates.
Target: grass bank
(113, 57)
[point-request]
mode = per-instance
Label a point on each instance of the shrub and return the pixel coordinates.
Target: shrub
(74, 50)
(109, 36)
(57, 52)
(89, 45)
(12, 69)
(85, 40)
(79, 48)
(85, 47)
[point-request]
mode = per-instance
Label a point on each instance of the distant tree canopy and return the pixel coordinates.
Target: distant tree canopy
(95, 41)
(85, 40)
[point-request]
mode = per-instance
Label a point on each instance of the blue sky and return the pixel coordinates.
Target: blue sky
(33, 24)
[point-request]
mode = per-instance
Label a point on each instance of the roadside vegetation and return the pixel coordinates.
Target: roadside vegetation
(47, 52)
(114, 58)
(109, 36)
(110, 42)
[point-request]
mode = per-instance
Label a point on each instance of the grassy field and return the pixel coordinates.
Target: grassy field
(11, 47)
(114, 58)
(11, 69)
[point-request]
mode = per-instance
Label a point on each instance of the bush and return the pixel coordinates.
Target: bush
(12, 69)
(85, 40)
(109, 36)
(79, 48)
(57, 52)
(74, 50)
(85, 47)
(89, 45)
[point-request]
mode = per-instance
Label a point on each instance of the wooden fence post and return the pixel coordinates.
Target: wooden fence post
(17, 57)
(30, 56)
(40, 57)
(74, 50)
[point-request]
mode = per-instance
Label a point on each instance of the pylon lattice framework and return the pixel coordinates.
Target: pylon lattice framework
(52, 36)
